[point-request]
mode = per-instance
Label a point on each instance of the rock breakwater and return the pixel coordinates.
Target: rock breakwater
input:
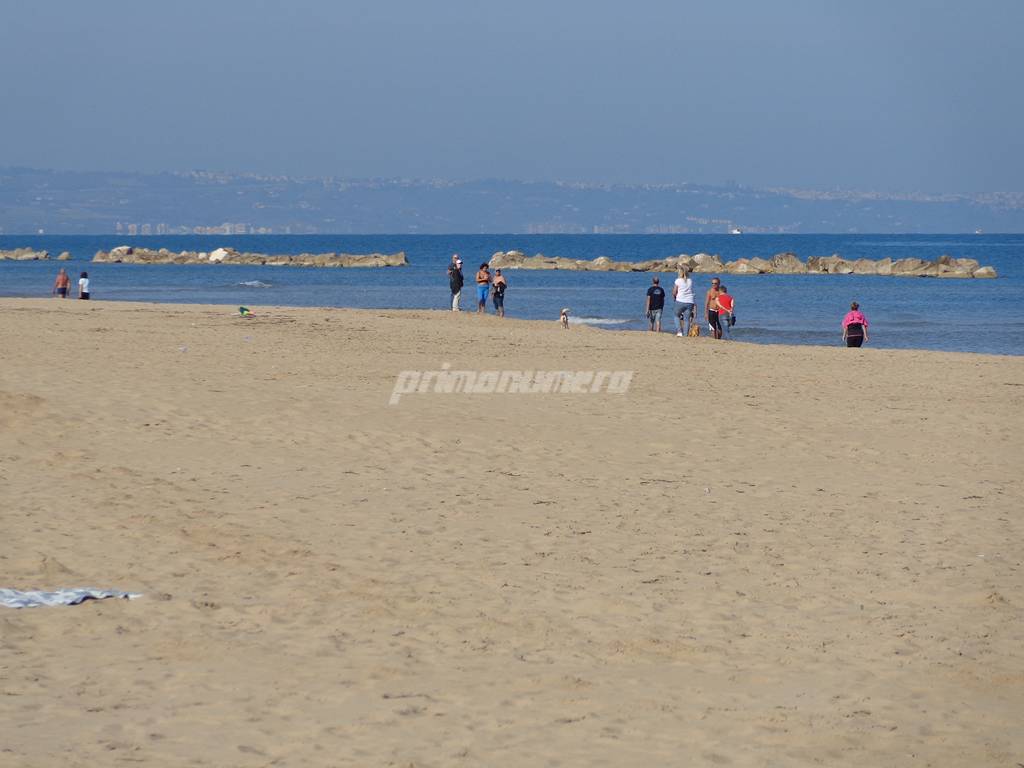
(126, 254)
(24, 254)
(30, 254)
(779, 264)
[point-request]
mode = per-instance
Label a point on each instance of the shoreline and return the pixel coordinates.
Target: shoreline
(440, 312)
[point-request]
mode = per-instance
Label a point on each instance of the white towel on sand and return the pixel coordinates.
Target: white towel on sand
(32, 598)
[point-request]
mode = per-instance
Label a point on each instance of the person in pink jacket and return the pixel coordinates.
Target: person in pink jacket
(855, 326)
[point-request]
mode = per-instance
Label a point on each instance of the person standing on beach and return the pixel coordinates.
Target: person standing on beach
(498, 292)
(711, 308)
(61, 284)
(455, 282)
(83, 286)
(726, 305)
(855, 326)
(682, 292)
(654, 304)
(483, 287)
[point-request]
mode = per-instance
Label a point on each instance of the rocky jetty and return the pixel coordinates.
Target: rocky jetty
(779, 264)
(126, 254)
(24, 254)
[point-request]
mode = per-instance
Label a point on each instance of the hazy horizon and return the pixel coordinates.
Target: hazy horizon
(738, 183)
(796, 94)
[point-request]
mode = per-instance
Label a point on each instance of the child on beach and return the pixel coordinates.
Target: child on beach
(83, 286)
(498, 292)
(726, 303)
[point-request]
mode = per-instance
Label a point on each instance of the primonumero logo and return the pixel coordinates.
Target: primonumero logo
(449, 382)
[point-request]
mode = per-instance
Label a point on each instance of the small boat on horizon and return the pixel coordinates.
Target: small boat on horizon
(735, 231)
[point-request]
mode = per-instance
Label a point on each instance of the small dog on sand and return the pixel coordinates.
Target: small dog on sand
(564, 318)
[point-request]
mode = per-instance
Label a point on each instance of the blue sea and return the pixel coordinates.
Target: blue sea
(920, 313)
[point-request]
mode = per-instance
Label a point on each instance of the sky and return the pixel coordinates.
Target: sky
(903, 95)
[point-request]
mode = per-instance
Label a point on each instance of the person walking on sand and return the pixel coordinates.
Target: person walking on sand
(654, 304)
(711, 308)
(83, 286)
(682, 292)
(726, 306)
(455, 282)
(483, 288)
(855, 326)
(61, 284)
(498, 292)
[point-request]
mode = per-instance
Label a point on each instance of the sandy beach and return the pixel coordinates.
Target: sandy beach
(756, 556)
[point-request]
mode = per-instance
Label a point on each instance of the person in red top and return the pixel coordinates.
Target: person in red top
(855, 326)
(726, 305)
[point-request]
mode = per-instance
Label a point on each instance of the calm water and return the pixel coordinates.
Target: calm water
(962, 315)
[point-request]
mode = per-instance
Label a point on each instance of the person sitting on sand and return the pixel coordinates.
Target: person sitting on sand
(855, 326)
(483, 287)
(654, 304)
(83, 286)
(61, 284)
(711, 308)
(726, 303)
(498, 292)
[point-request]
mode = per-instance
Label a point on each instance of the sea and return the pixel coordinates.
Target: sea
(982, 316)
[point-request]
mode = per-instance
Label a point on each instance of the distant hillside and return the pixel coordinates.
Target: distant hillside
(64, 202)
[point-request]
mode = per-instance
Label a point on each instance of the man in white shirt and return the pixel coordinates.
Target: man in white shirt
(682, 292)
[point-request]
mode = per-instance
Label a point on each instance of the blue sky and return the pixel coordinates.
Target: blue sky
(901, 95)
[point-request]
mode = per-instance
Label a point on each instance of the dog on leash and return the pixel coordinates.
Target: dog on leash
(563, 319)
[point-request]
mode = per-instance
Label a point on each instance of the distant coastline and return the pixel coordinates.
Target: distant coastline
(214, 203)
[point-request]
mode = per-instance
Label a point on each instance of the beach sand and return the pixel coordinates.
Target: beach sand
(757, 556)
